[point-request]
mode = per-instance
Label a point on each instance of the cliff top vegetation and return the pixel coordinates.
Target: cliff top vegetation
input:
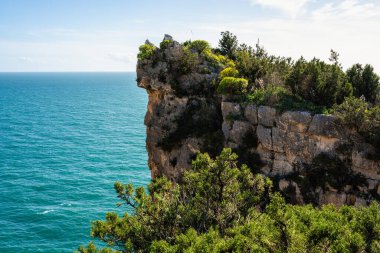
(314, 82)
(250, 74)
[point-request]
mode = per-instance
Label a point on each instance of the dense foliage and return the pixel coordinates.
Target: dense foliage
(228, 72)
(313, 85)
(222, 207)
(232, 86)
(283, 100)
(319, 82)
(364, 81)
(145, 51)
(315, 81)
(228, 44)
(360, 115)
(199, 45)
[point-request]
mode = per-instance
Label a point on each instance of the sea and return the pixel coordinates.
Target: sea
(65, 138)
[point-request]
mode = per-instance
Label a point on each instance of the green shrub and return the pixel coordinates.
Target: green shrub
(228, 44)
(226, 62)
(212, 58)
(365, 81)
(145, 51)
(189, 61)
(228, 72)
(372, 131)
(257, 64)
(220, 206)
(199, 45)
(353, 112)
(232, 86)
(282, 99)
(164, 44)
(320, 83)
(358, 114)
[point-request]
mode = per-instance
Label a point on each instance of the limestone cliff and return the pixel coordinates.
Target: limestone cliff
(311, 158)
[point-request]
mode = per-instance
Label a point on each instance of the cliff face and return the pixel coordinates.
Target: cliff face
(183, 113)
(311, 158)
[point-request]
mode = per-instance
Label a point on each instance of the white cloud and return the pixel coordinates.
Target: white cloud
(25, 59)
(349, 27)
(292, 7)
(120, 57)
(347, 10)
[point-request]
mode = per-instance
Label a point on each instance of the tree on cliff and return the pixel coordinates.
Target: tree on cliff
(222, 207)
(228, 44)
(364, 81)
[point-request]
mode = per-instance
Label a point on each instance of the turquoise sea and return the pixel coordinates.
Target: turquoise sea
(65, 138)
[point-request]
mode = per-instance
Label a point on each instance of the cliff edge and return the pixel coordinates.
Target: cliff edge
(312, 158)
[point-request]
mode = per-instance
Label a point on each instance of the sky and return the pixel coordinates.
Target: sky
(100, 35)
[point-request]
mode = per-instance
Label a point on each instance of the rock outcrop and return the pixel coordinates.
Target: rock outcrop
(311, 158)
(183, 115)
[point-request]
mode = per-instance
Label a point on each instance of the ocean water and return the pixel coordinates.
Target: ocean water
(65, 138)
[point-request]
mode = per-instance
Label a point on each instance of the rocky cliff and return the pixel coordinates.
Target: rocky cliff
(311, 158)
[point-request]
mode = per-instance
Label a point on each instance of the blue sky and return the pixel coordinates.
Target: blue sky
(84, 35)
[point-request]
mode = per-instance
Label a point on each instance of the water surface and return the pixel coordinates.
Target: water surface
(65, 138)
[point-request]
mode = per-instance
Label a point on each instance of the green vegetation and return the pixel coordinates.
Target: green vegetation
(228, 72)
(318, 82)
(360, 115)
(257, 76)
(222, 207)
(228, 44)
(364, 81)
(189, 61)
(282, 99)
(232, 86)
(310, 85)
(199, 45)
(313, 85)
(164, 44)
(251, 74)
(145, 51)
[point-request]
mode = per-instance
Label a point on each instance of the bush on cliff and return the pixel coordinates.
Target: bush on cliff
(232, 86)
(257, 65)
(188, 62)
(228, 72)
(364, 81)
(358, 114)
(145, 51)
(222, 207)
(318, 82)
(282, 99)
(164, 44)
(199, 45)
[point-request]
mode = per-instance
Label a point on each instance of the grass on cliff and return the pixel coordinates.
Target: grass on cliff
(222, 207)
